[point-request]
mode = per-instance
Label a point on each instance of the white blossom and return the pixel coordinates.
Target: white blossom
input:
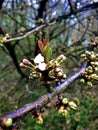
(42, 66)
(38, 59)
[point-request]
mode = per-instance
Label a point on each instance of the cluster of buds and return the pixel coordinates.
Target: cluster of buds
(43, 68)
(7, 124)
(54, 68)
(8, 36)
(39, 21)
(94, 41)
(2, 39)
(63, 106)
(45, 71)
(37, 68)
(37, 115)
(26, 64)
(90, 73)
(21, 31)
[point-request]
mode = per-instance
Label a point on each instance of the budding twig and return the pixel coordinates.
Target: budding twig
(25, 35)
(44, 99)
(52, 21)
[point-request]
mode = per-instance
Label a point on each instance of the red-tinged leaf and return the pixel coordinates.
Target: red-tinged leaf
(40, 45)
(46, 42)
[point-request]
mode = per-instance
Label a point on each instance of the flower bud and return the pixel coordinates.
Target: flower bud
(94, 76)
(35, 75)
(64, 76)
(93, 63)
(7, 122)
(93, 57)
(26, 62)
(52, 74)
(61, 109)
(39, 121)
(96, 63)
(57, 69)
(23, 65)
(64, 100)
(83, 55)
(89, 69)
(89, 84)
(82, 80)
(61, 58)
(88, 53)
(96, 68)
(72, 105)
(8, 36)
(59, 74)
(65, 113)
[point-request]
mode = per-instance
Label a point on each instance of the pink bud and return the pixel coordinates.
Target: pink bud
(26, 62)
(23, 65)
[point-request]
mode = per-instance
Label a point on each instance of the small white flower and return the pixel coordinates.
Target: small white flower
(42, 66)
(38, 59)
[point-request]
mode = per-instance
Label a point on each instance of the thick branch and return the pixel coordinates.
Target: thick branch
(46, 98)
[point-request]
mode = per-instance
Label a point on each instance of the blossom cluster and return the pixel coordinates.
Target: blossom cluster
(43, 67)
(44, 71)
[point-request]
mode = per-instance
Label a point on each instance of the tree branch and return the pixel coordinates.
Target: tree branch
(52, 21)
(46, 98)
(84, 8)
(26, 34)
(1, 2)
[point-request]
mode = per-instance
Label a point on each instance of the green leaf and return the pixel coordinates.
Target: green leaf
(44, 52)
(49, 53)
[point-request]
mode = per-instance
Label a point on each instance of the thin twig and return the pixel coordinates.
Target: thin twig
(52, 21)
(25, 35)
